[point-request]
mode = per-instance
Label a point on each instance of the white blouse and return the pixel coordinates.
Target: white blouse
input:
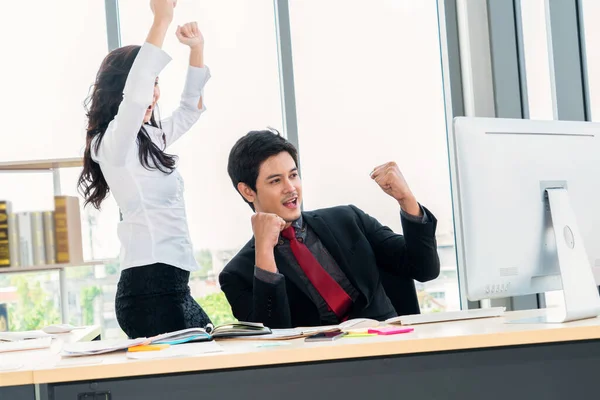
(154, 227)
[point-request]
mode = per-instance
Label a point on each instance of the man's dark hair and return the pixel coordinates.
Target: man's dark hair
(250, 151)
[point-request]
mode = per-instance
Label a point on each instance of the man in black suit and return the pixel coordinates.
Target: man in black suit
(319, 267)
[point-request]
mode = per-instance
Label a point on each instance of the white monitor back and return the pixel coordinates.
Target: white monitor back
(500, 168)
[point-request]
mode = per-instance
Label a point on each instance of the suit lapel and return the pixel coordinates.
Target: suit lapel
(290, 273)
(286, 270)
(327, 238)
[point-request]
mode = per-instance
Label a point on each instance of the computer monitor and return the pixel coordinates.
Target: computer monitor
(526, 199)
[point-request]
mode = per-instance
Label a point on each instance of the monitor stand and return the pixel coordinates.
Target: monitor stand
(579, 286)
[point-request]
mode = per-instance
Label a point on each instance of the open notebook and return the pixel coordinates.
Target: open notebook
(235, 329)
(172, 338)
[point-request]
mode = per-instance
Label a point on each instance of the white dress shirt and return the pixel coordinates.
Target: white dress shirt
(154, 227)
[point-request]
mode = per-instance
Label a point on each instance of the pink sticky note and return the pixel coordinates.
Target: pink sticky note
(391, 330)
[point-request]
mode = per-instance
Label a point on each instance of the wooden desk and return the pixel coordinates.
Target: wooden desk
(26, 361)
(462, 359)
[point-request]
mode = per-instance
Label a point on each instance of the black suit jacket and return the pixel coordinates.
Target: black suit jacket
(360, 245)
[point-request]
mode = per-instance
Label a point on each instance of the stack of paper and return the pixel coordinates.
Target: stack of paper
(292, 333)
(30, 344)
(358, 324)
(14, 336)
(99, 347)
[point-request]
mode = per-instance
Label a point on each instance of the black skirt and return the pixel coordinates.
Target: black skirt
(154, 299)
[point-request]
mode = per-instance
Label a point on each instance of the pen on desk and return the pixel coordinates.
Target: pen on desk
(148, 347)
(351, 335)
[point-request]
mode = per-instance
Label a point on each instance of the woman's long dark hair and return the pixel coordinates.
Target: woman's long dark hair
(101, 108)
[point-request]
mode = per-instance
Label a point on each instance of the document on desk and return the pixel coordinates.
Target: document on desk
(99, 347)
(10, 367)
(15, 336)
(352, 325)
(29, 344)
(287, 334)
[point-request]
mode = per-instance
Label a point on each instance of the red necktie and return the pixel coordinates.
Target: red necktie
(334, 295)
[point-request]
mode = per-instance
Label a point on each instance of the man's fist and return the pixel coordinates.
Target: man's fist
(391, 181)
(266, 228)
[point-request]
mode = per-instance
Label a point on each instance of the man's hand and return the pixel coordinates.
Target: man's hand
(266, 228)
(392, 182)
(190, 35)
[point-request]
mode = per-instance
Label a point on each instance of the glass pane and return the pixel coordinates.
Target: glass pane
(44, 84)
(243, 94)
(43, 89)
(370, 91)
(591, 12)
(30, 300)
(537, 62)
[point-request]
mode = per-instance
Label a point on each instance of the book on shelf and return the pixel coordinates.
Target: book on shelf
(25, 238)
(49, 237)
(34, 243)
(37, 238)
(13, 240)
(4, 234)
(67, 226)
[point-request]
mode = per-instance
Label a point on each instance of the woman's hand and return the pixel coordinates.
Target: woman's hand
(163, 10)
(190, 35)
(163, 16)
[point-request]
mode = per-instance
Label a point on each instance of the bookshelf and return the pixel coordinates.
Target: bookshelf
(54, 166)
(50, 267)
(41, 165)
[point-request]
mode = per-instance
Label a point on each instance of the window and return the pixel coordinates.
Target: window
(537, 61)
(242, 95)
(43, 90)
(44, 86)
(591, 10)
(368, 86)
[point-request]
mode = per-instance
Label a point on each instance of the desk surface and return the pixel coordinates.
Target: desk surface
(29, 359)
(447, 336)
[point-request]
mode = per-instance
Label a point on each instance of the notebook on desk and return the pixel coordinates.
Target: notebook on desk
(447, 316)
(235, 329)
(211, 332)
